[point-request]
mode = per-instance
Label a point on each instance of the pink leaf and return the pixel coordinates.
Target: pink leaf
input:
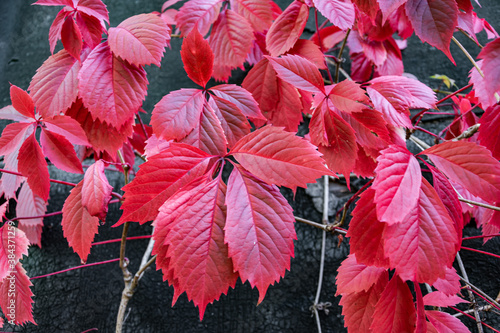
(354, 277)
(259, 230)
(140, 39)
(257, 12)
(394, 311)
(12, 137)
(160, 177)
(8, 112)
(11, 251)
(422, 246)
(287, 28)
(389, 6)
(279, 157)
(201, 13)
(490, 66)
(71, 37)
(90, 28)
(60, 152)
(340, 12)
(54, 87)
(67, 127)
(309, 50)
(121, 86)
(20, 296)
(54, 3)
(22, 102)
(30, 204)
(239, 97)
(233, 122)
(489, 133)
(470, 165)
(450, 284)
(347, 96)
(32, 165)
(194, 219)
(177, 113)
(299, 72)
(396, 185)
(445, 323)
(79, 227)
(94, 8)
(96, 191)
(434, 21)
(438, 298)
(197, 57)
(55, 29)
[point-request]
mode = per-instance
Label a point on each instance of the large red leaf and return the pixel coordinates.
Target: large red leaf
(257, 12)
(299, 72)
(234, 124)
(340, 12)
(201, 13)
(287, 28)
(30, 204)
(60, 152)
(489, 133)
(79, 227)
(177, 113)
(71, 37)
(12, 136)
(394, 311)
(22, 102)
(13, 245)
(54, 87)
(96, 191)
(424, 244)
(445, 323)
(434, 21)
(140, 39)
(16, 296)
(366, 232)
(348, 96)
(112, 89)
(259, 230)
(491, 66)
(194, 220)
(239, 97)
(279, 157)
(354, 277)
(67, 127)
(32, 165)
(470, 165)
(396, 185)
(358, 308)
(197, 57)
(160, 177)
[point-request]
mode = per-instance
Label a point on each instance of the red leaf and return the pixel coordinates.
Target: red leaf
(241, 98)
(396, 185)
(450, 284)
(299, 72)
(422, 246)
(54, 3)
(90, 28)
(93, 8)
(96, 191)
(8, 112)
(22, 102)
(470, 165)
(389, 6)
(279, 157)
(67, 127)
(445, 323)
(309, 50)
(369, 7)
(33, 166)
(54, 87)
(366, 232)
(79, 227)
(194, 219)
(259, 230)
(489, 132)
(257, 12)
(71, 37)
(19, 295)
(201, 13)
(233, 122)
(197, 57)
(490, 66)
(177, 113)
(358, 308)
(140, 39)
(438, 298)
(13, 245)
(12, 137)
(60, 152)
(30, 204)
(394, 311)
(341, 13)
(434, 21)
(160, 177)
(354, 277)
(56, 27)
(121, 86)
(347, 96)
(287, 28)
(370, 127)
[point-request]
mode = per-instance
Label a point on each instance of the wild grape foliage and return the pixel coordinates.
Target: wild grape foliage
(85, 102)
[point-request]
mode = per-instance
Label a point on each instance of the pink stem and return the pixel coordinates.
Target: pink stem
(483, 298)
(36, 217)
(119, 240)
(479, 251)
(52, 180)
(473, 318)
(418, 128)
(77, 267)
(348, 203)
(480, 236)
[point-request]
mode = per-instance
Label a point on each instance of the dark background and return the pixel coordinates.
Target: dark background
(88, 298)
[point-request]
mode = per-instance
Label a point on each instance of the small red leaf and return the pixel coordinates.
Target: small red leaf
(279, 157)
(239, 97)
(348, 96)
(340, 12)
(287, 28)
(71, 37)
(79, 227)
(12, 137)
(233, 122)
(54, 3)
(30, 204)
(309, 50)
(140, 39)
(55, 29)
(257, 12)
(94, 8)
(489, 132)
(450, 284)
(22, 102)
(96, 191)
(354, 277)
(389, 6)
(32, 165)
(201, 13)
(20, 296)
(60, 152)
(90, 28)
(445, 323)
(197, 57)
(438, 298)
(491, 66)
(259, 230)
(177, 113)
(396, 185)
(67, 127)
(11, 251)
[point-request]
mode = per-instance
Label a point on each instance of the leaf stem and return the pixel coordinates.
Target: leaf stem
(119, 240)
(337, 69)
(468, 315)
(76, 267)
(480, 204)
(471, 295)
(479, 251)
(51, 180)
(480, 236)
(466, 281)
(328, 228)
(467, 54)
